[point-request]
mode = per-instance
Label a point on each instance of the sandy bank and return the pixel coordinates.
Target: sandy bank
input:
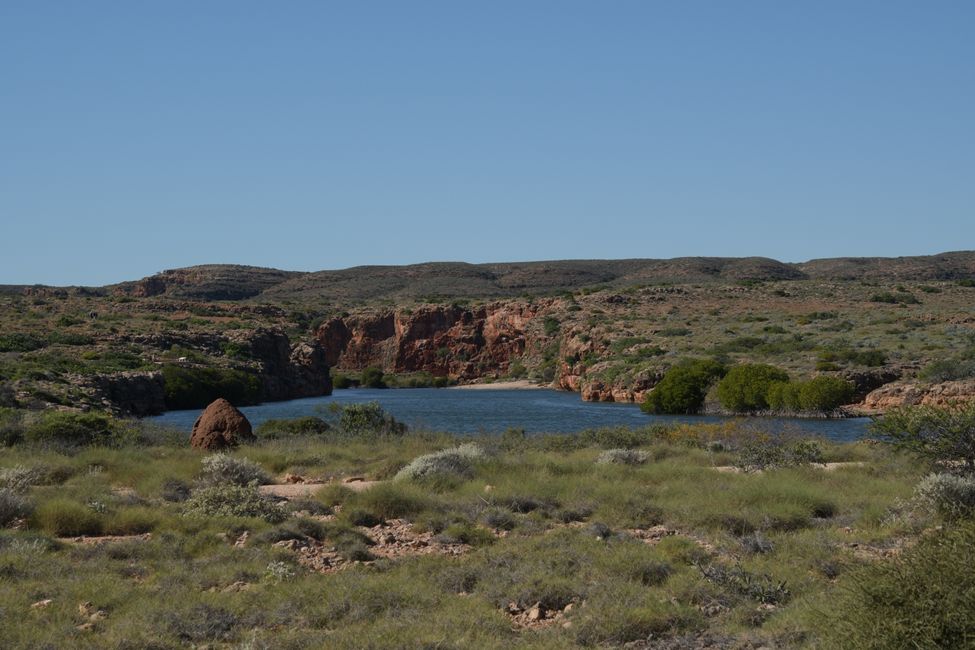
(521, 384)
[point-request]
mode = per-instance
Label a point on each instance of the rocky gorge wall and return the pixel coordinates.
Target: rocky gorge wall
(447, 341)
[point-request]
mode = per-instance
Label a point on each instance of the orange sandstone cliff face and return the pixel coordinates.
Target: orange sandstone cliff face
(446, 341)
(467, 344)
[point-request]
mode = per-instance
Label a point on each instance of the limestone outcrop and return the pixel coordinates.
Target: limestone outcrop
(909, 393)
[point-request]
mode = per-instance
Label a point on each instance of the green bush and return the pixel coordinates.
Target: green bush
(11, 426)
(452, 463)
(951, 496)
(683, 387)
(223, 469)
(13, 506)
(551, 326)
(366, 419)
(66, 428)
(20, 342)
(66, 518)
(341, 381)
(187, 388)
(784, 396)
(825, 394)
(921, 599)
(937, 434)
(232, 501)
(372, 378)
(746, 387)
(303, 426)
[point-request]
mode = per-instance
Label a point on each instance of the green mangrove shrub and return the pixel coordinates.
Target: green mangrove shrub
(683, 387)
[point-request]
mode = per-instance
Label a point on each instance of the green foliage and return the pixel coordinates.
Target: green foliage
(20, 342)
(68, 428)
(683, 387)
(11, 426)
(936, 434)
(189, 387)
(551, 325)
(921, 599)
(230, 500)
(959, 366)
(304, 426)
(234, 350)
(448, 463)
(341, 381)
(951, 496)
(65, 517)
(223, 469)
(13, 506)
(372, 378)
(784, 396)
(824, 394)
(745, 387)
(871, 358)
(777, 452)
(366, 419)
(901, 298)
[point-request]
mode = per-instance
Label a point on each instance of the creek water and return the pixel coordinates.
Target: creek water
(490, 411)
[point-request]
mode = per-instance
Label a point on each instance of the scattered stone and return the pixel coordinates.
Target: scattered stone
(41, 604)
(294, 478)
(219, 426)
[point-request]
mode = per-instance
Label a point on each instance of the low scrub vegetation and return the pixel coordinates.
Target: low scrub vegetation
(599, 539)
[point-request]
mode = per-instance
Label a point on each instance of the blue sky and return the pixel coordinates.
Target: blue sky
(309, 135)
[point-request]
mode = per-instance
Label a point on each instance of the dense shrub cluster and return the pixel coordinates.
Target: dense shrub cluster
(189, 387)
(683, 387)
(921, 599)
(232, 500)
(366, 419)
(949, 495)
(945, 435)
(746, 387)
(820, 394)
(303, 426)
(66, 428)
(224, 469)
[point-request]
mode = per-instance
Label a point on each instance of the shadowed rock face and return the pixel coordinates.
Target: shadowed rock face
(220, 426)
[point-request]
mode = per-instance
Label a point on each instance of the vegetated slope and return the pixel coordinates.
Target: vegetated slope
(438, 281)
(207, 282)
(943, 266)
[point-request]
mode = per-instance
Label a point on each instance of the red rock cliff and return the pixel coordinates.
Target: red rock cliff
(452, 341)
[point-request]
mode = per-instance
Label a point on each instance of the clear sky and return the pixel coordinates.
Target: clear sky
(140, 136)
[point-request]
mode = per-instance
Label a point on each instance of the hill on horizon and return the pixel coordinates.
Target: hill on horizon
(460, 280)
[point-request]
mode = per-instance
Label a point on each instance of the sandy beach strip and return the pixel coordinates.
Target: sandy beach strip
(521, 384)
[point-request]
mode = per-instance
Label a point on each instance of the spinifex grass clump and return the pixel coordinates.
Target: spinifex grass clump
(222, 469)
(623, 457)
(232, 500)
(457, 463)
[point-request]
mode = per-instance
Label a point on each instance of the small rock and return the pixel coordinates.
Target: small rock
(294, 478)
(85, 627)
(41, 604)
(513, 608)
(535, 613)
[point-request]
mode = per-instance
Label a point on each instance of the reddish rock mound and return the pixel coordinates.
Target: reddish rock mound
(220, 426)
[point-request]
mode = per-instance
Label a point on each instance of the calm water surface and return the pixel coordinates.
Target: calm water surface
(493, 411)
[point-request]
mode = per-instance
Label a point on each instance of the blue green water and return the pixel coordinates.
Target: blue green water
(493, 411)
